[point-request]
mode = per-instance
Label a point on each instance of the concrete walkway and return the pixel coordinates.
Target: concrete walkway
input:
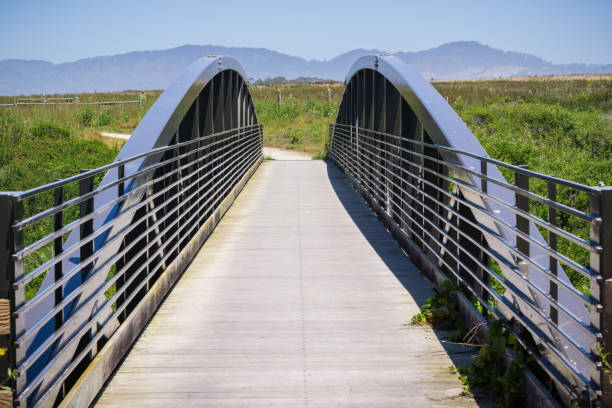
(299, 298)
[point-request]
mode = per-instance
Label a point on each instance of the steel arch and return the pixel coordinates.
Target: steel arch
(208, 98)
(385, 95)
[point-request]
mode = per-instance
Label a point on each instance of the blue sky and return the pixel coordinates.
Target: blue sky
(560, 31)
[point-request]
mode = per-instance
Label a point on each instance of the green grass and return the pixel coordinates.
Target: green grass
(575, 94)
(559, 127)
(39, 144)
(302, 121)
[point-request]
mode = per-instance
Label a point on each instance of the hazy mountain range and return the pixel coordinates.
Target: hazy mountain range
(157, 69)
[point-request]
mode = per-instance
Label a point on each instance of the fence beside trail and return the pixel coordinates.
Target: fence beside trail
(71, 100)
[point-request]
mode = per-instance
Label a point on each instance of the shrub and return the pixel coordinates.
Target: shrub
(104, 119)
(49, 130)
(87, 117)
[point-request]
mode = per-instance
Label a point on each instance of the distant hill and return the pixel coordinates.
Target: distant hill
(157, 69)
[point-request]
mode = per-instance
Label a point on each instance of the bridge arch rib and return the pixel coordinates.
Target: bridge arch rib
(447, 202)
(154, 206)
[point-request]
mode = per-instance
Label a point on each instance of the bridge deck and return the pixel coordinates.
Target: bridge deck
(299, 298)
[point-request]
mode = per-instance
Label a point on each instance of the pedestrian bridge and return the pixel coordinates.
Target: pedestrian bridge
(300, 297)
(191, 272)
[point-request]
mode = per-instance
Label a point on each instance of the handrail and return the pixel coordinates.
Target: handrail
(103, 253)
(425, 174)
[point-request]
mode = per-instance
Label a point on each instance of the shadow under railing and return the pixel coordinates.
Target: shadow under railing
(398, 263)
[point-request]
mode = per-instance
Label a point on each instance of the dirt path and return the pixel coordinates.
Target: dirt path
(280, 154)
(122, 136)
(271, 152)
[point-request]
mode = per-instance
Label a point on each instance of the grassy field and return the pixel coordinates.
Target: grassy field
(302, 121)
(560, 127)
(39, 144)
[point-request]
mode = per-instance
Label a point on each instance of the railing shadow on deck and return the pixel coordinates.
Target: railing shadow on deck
(398, 263)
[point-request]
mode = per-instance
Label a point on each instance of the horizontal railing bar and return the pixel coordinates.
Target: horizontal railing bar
(59, 283)
(46, 99)
(587, 301)
(588, 330)
(433, 250)
(560, 257)
(135, 274)
(68, 251)
(50, 237)
(90, 173)
(517, 169)
(555, 230)
(77, 200)
(535, 197)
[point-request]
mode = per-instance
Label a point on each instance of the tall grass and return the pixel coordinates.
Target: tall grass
(575, 94)
(562, 128)
(559, 127)
(39, 144)
(302, 121)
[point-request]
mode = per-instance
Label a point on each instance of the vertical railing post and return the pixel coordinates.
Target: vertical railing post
(522, 223)
(484, 275)
(86, 186)
(149, 236)
(121, 262)
(58, 248)
(552, 243)
(11, 241)
(179, 192)
(458, 238)
(86, 228)
(601, 263)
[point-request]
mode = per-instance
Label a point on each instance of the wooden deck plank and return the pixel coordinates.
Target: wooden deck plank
(299, 298)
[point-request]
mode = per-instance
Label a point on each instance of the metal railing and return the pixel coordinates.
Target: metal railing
(87, 260)
(510, 236)
(161, 207)
(416, 184)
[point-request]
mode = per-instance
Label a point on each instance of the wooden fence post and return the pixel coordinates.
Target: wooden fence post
(11, 209)
(328, 95)
(278, 91)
